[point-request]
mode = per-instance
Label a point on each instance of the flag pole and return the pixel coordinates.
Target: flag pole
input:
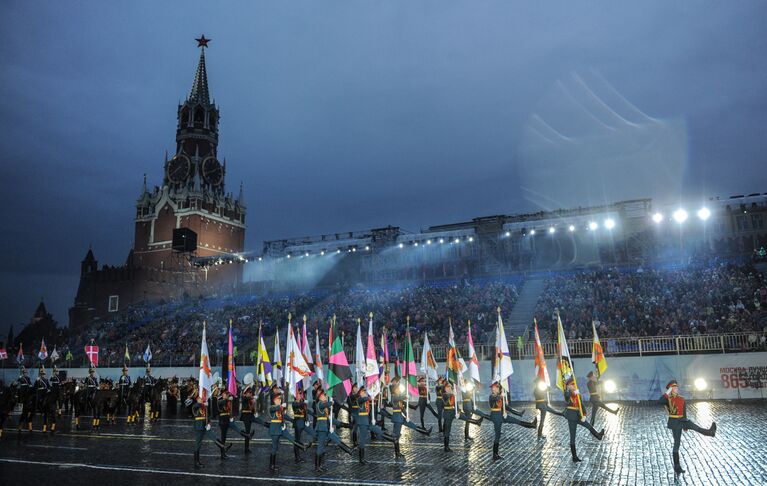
(498, 351)
(407, 372)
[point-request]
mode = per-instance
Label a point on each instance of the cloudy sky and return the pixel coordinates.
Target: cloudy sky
(347, 115)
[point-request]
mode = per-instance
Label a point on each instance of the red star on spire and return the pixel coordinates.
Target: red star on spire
(202, 41)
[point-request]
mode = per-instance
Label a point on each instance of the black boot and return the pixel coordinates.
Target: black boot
(197, 463)
(447, 445)
(599, 434)
(362, 456)
(354, 438)
(388, 438)
(322, 463)
(677, 467)
(466, 435)
(247, 445)
(316, 463)
(496, 456)
(345, 448)
(711, 430)
(439, 424)
(223, 452)
(575, 454)
(297, 453)
(397, 454)
(424, 431)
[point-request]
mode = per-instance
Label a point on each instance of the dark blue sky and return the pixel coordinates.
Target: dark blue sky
(356, 114)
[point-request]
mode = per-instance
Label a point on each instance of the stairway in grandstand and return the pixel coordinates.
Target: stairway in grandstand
(524, 310)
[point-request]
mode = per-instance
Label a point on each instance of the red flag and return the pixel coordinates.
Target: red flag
(3, 353)
(92, 351)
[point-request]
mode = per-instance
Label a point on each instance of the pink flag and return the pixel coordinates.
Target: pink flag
(231, 380)
(372, 382)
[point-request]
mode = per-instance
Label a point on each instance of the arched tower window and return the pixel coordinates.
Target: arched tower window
(199, 117)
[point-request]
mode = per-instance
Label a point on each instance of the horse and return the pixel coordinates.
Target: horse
(7, 402)
(135, 400)
(106, 399)
(46, 405)
(172, 396)
(154, 397)
(81, 402)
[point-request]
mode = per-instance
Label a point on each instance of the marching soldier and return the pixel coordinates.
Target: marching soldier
(277, 429)
(149, 383)
(573, 416)
(91, 386)
(24, 393)
(224, 418)
(201, 429)
(540, 392)
(324, 433)
(678, 421)
(365, 425)
(448, 411)
(248, 412)
(398, 403)
(496, 416)
(595, 396)
(55, 387)
(316, 387)
(42, 389)
(353, 407)
(468, 411)
(423, 401)
(124, 384)
(440, 402)
(299, 423)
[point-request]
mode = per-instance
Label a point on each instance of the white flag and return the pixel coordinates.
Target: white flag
(205, 375)
(372, 379)
(473, 361)
(359, 356)
(54, 355)
(277, 373)
(503, 367)
(297, 369)
(318, 360)
(428, 364)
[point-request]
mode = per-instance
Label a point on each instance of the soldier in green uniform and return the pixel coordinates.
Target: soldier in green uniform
(573, 416)
(496, 416)
(201, 429)
(224, 417)
(447, 411)
(678, 421)
(468, 411)
(399, 404)
(423, 401)
(353, 408)
(277, 429)
(540, 392)
(247, 413)
(324, 433)
(595, 396)
(365, 425)
(299, 423)
(440, 402)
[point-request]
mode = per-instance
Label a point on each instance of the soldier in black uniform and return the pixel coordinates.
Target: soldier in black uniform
(573, 416)
(91, 386)
(201, 429)
(55, 382)
(447, 411)
(423, 401)
(124, 384)
(678, 421)
(149, 383)
(595, 396)
(42, 389)
(496, 416)
(299, 423)
(540, 392)
(24, 393)
(468, 411)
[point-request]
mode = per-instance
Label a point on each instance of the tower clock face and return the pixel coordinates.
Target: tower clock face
(212, 171)
(179, 169)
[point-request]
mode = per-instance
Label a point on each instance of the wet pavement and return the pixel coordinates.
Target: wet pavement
(636, 450)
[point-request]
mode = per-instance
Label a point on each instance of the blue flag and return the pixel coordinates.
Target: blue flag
(147, 354)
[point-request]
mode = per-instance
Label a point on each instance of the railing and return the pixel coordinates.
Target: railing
(637, 346)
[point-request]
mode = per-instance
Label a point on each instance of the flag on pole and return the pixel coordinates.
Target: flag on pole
(205, 375)
(410, 372)
(231, 378)
(597, 354)
(43, 353)
(372, 377)
(306, 350)
(385, 347)
(397, 368)
(20, 354)
(540, 360)
(263, 365)
(147, 354)
(359, 355)
(339, 373)
(318, 359)
(297, 369)
(565, 369)
(428, 363)
(503, 366)
(126, 357)
(55, 355)
(3, 354)
(473, 361)
(92, 351)
(277, 374)
(454, 366)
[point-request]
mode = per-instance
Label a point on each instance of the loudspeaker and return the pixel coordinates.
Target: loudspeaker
(184, 240)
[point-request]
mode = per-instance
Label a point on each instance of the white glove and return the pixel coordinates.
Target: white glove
(282, 405)
(207, 427)
(668, 391)
(231, 419)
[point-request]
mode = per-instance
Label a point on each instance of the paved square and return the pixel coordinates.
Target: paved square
(636, 450)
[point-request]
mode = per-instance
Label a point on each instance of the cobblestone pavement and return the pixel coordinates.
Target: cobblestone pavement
(636, 450)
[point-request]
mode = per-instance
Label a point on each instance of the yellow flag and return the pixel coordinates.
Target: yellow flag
(597, 354)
